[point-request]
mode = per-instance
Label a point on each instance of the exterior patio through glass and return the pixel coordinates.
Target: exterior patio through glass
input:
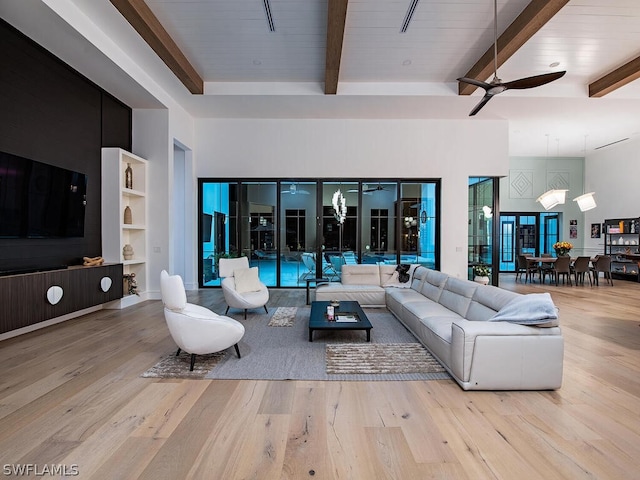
(294, 230)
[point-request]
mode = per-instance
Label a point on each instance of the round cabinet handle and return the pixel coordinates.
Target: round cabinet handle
(105, 284)
(54, 294)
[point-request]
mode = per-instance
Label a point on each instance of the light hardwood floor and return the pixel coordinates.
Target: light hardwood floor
(72, 394)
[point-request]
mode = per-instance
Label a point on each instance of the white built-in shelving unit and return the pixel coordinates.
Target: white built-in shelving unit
(116, 196)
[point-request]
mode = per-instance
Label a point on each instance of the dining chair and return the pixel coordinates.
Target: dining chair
(602, 264)
(546, 268)
(527, 267)
(582, 266)
(562, 266)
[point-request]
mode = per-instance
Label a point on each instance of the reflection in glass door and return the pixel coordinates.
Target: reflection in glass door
(378, 242)
(339, 227)
(258, 233)
(297, 232)
(417, 234)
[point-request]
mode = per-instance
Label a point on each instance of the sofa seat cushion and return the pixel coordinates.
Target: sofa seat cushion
(404, 295)
(426, 309)
(395, 298)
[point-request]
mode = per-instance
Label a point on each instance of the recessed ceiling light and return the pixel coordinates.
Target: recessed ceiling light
(554, 64)
(406, 62)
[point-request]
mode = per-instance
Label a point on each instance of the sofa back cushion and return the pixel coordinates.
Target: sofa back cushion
(386, 273)
(360, 275)
(417, 277)
(456, 295)
(433, 284)
(488, 300)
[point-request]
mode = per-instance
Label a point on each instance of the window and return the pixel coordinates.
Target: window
(299, 229)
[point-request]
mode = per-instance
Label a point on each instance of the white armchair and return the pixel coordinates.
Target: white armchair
(195, 329)
(241, 286)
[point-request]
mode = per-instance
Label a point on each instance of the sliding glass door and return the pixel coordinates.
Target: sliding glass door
(294, 230)
(298, 244)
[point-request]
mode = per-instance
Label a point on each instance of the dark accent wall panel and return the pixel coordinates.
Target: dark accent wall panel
(53, 114)
(116, 123)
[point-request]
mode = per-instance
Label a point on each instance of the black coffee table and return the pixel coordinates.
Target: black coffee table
(318, 318)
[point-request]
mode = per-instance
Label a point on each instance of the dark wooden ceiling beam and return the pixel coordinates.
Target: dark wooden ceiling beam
(140, 16)
(336, 18)
(619, 77)
(533, 18)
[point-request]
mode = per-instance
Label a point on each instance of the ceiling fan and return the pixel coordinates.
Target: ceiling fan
(293, 190)
(377, 188)
(496, 85)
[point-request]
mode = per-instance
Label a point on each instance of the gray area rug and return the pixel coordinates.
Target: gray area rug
(286, 353)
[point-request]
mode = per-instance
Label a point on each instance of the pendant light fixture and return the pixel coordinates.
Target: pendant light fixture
(586, 201)
(552, 198)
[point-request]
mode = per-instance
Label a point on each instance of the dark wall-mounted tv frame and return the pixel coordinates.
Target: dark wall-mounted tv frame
(38, 200)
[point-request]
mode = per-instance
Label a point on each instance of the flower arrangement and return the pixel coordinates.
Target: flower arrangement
(481, 270)
(562, 248)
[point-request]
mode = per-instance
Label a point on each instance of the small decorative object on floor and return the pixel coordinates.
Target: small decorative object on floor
(481, 274)
(127, 252)
(562, 248)
(128, 177)
(128, 219)
(130, 284)
(92, 261)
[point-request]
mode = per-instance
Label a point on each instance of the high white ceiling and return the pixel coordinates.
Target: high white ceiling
(250, 71)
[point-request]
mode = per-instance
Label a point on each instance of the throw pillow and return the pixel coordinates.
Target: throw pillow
(531, 309)
(247, 280)
(403, 272)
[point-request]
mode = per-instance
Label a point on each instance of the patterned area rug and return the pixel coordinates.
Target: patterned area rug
(172, 366)
(380, 358)
(283, 317)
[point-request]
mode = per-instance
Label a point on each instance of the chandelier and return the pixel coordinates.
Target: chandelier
(339, 206)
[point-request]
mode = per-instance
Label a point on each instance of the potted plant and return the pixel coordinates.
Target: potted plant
(481, 274)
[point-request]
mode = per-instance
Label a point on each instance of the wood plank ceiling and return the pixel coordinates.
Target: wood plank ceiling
(532, 18)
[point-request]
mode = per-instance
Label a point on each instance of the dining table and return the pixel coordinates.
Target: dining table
(549, 261)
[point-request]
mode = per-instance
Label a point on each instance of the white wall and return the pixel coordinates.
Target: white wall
(612, 173)
(449, 149)
(529, 177)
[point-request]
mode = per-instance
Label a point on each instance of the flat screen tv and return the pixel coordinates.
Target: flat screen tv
(38, 200)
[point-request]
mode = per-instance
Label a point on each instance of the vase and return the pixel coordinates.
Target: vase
(481, 280)
(128, 177)
(127, 252)
(561, 252)
(128, 219)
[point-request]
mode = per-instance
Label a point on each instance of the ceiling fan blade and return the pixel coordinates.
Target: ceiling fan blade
(477, 83)
(535, 81)
(481, 104)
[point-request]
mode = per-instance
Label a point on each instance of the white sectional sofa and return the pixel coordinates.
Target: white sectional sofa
(486, 337)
